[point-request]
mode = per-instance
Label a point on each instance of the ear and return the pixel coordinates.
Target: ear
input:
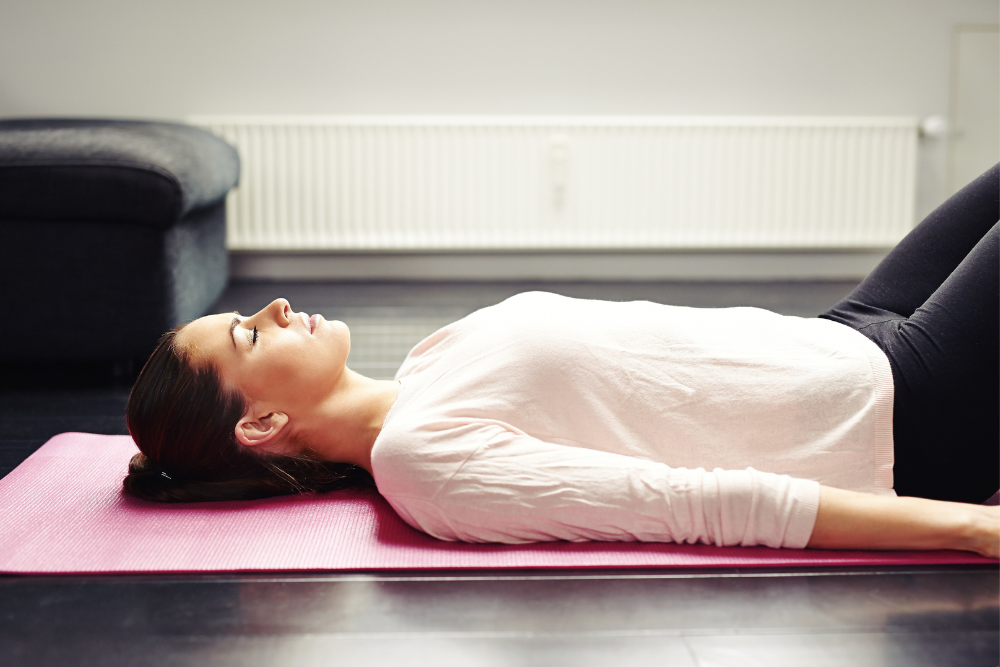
(254, 429)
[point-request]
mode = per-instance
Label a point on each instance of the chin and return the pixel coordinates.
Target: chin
(337, 333)
(338, 329)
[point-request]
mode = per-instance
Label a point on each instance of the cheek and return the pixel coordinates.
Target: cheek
(295, 370)
(304, 370)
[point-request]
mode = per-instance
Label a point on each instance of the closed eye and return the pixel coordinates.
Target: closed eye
(232, 328)
(252, 336)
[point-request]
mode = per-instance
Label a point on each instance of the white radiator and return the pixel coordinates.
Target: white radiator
(512, 183)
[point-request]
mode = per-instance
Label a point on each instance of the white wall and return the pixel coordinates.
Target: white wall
(169, 59)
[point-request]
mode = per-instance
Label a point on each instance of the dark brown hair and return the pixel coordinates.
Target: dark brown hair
(183, 419)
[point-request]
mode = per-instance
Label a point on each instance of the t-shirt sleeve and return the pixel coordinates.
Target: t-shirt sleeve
(489, 484)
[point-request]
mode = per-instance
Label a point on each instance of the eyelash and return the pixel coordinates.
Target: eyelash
(253, 337)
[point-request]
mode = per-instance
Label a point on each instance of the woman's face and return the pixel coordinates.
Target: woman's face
(279, 359)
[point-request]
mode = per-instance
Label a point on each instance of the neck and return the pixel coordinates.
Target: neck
(343, 427)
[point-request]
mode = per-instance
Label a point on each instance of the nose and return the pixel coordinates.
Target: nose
(278, 311)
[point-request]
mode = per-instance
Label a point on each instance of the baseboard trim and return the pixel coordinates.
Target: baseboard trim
(570, 266)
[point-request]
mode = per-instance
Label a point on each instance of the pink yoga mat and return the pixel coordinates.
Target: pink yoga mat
(62, 511)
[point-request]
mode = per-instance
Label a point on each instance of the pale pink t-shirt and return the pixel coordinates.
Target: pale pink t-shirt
(550, 418)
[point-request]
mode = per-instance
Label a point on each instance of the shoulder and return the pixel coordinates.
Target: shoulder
(415, 457)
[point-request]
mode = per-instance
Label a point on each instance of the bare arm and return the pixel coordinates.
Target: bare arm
(850, 520)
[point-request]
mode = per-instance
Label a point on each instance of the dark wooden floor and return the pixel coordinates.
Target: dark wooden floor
(930, 616)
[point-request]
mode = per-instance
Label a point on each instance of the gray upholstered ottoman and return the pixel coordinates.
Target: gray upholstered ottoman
(111, 232)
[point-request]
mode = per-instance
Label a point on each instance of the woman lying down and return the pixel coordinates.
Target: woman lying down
(550, 418)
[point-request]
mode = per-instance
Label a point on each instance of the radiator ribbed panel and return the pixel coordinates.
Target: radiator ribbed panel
(556, 183)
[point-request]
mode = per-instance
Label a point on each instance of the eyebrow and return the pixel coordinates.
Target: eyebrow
(232, 328)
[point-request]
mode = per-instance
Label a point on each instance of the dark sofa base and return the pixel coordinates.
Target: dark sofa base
(106, 290)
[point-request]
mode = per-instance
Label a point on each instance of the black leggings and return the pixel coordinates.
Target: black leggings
(932, 306)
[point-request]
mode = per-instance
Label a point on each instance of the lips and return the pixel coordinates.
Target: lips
(311, 322)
